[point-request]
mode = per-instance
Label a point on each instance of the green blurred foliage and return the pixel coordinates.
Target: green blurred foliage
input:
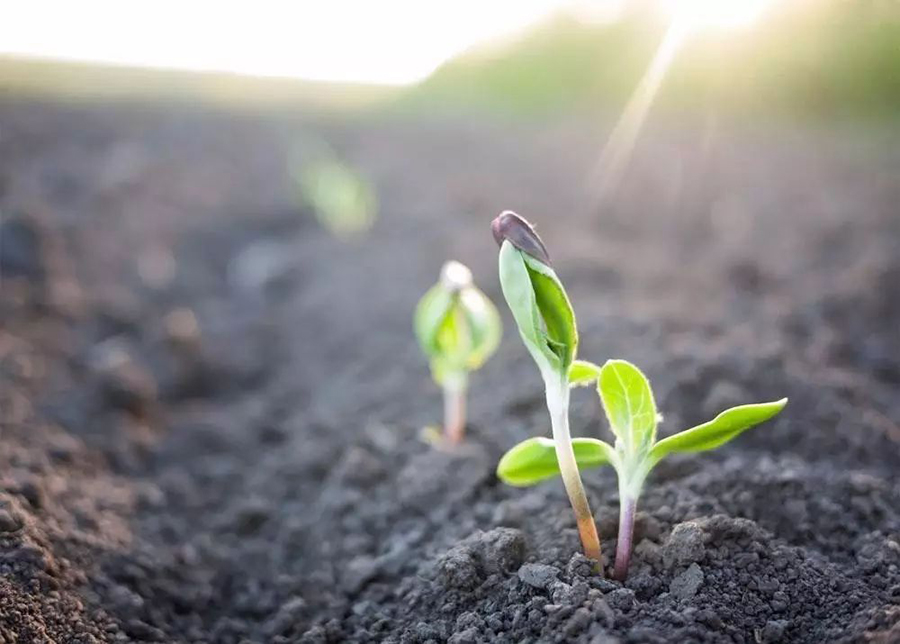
(805, 57)
(344, 202)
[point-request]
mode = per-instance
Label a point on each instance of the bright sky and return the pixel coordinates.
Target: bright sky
(376, 41)
(385, 41)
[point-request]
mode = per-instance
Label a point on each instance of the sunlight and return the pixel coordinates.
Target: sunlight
(620, 145)
(686, 17)
(390, 42)
(393, 42)
(715, 14)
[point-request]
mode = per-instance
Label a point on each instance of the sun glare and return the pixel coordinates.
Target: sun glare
(392, 41)
(716, 14)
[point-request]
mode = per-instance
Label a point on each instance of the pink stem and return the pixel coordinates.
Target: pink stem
(454, 414)
(626, 532)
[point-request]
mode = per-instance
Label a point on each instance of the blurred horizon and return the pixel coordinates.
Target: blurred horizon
(799, 57)
(342, 41)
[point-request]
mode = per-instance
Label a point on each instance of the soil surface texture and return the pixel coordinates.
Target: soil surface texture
(211, 407)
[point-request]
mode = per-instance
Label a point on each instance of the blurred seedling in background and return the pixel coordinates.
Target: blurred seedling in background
(343, 201)
(458, 328)
(546, 323)
(631, 411)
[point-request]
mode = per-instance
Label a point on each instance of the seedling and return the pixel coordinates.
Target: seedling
(628, 401)
(546, 323)
(343, 200)
(458, 328)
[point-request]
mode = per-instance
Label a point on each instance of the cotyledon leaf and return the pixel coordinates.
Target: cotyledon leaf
(555, 309)
(718, 431)
(534, 460)
(515, 282)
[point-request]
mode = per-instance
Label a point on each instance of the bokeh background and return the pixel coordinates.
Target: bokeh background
(802, 58)
(617, 66)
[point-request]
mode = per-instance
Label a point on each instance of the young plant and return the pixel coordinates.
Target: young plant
(631, 412)
(546, 323)
(458, 328)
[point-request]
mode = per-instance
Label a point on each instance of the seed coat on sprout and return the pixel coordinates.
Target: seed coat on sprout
(546, 322)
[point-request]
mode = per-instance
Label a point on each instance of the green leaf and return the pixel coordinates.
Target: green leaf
(628, 402)
(721, 429)
(519, 294)
(534, 460)
(344, 202)
(483, 322)
(457, 326)
(556, 311)
(540, 307)
(583, 373)
(431, 313)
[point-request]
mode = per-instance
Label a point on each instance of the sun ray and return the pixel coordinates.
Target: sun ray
(687, 17)
(619, 147)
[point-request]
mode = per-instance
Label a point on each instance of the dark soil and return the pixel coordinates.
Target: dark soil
(211, 408)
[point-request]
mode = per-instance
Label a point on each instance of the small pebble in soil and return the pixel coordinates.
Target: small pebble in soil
(603, 585)
(538, 575)
(684, 546)
(685, 585)
(573, 595)
(621, 599)
(772, 632)
(579, 566)
(467, 564)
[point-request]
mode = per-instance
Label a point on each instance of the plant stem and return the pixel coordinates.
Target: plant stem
(454, 412)
(558, 404)
(627, 507)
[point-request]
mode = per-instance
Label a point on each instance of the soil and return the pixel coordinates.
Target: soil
(211, 407)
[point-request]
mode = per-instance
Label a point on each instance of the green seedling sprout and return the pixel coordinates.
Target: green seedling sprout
(546, 323)
(344, 201)
(458, 328)
(628, 401)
